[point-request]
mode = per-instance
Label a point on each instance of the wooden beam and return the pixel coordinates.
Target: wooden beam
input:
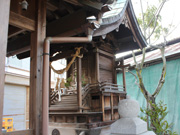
(21, 22)
(18, 43)
(37, 40)
(13, 31)
(21, 132)
(51, 6)
(79, 83)
(18, 51)
(66, 6)
(4, 13)
(65, 24)
(106, 53)
(61, 27)
(74, 2)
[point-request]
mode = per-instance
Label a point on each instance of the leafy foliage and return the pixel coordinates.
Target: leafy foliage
(157, 115)
(83, 80)
(68, 82)
(150, 23)
(70, 79)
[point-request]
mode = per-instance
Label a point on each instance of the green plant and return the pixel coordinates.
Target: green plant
(68, 82)
(83, 81)
(157, 114)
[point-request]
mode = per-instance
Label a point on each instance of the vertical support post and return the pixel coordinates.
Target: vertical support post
(37, 40)
(97, 65)
(124, 74)
(79, 83)
(102, 107)
(4, 21)
(114, 71)
(112, 109)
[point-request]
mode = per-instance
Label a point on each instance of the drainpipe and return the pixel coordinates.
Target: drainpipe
(45, 83)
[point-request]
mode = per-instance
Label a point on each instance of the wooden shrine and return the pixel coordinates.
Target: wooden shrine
(49, 30)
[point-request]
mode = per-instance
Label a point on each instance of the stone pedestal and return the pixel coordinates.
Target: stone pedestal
(129, 123)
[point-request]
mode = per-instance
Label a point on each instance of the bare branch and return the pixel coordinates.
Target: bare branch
(136, 81)
(138, 68)
(163, 74)
(134, 58)
(142, 62)
(146, 94)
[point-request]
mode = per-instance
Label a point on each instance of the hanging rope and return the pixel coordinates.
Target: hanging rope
(61, 71)
(57, 83)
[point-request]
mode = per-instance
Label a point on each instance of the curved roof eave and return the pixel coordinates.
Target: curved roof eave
(113, 22)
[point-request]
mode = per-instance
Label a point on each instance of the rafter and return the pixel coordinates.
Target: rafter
(21, 22)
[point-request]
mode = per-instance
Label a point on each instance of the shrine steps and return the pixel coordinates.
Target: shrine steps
(68, 103)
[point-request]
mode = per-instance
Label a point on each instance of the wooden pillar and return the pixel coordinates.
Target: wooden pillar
(124, 75)
(4, 21)
(97, 65)
(79, 83)
(112, 107)
(37, 40)
(114, 71)
(102, 107)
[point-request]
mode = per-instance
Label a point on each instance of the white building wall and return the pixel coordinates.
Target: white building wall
(15, 105)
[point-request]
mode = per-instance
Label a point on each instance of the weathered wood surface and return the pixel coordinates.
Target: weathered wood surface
(21, 22)
(13, 31)
(79, 82)
(4, 19)
(37, 40)
(30, 13)
(97, 66)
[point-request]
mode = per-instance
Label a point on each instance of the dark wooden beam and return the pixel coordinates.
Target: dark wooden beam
(67, 23)
(74, 2)
(37, 40)
(66, 6)
(61, 27)
(21, 22)
(18, 43)
(13, 31)
(125, 39)
(18, 51)
(51, 6)
(4, 13)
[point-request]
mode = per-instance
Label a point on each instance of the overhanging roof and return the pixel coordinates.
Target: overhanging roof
(121, 19)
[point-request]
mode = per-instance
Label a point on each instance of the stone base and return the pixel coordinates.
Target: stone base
(129, 126)
(146, 133)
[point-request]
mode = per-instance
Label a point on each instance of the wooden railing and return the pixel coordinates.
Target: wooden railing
(99, 86)
(111, 86)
